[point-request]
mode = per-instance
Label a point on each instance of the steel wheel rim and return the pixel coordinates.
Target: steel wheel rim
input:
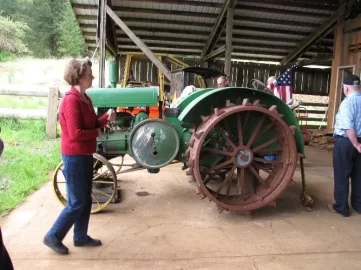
(97, 206)
(284, 172)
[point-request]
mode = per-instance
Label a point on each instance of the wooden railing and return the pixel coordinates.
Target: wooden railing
(312, 115)
(53, 94)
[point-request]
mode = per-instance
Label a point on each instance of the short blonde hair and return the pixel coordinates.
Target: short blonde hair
(75, 70)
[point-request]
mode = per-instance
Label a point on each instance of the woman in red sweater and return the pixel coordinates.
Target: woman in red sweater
(80, 128)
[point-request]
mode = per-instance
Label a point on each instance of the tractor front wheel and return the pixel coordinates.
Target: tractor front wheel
(104, 184)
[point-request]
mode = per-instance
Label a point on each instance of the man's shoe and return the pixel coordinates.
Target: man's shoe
(89, 243)
(331, 209)
(56, 246)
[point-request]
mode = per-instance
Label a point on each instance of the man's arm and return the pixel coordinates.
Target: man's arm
(351, 134)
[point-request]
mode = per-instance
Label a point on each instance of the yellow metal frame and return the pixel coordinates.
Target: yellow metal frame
(170, 58)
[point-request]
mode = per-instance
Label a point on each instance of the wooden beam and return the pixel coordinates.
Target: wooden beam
(139, 43)
(295, 4)
(215, 53)
(279, 12)
(229, 49)
(102, 41)
(192, 3)
(142, 10)
(314, 36)
(216, 26)
(113, 31)
(273, 22)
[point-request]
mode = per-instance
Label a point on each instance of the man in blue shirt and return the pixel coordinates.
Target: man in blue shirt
(347, 149)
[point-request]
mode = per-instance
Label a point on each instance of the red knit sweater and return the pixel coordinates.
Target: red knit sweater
(79, 124)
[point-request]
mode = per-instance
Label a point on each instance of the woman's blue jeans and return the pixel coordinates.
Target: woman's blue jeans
(78, 172)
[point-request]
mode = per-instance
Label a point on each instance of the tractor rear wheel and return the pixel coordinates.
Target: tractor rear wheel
(242, 156)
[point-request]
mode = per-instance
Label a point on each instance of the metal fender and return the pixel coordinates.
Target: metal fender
(205, 104)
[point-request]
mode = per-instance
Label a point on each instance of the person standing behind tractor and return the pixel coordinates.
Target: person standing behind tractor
(347, 149)
(222, 81)
(80, 128)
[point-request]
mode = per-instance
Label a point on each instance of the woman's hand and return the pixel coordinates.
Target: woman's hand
(111, 115)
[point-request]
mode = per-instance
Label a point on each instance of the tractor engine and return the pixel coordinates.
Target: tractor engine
(114, 140)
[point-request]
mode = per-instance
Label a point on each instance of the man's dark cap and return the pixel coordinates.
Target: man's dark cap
(351, 80)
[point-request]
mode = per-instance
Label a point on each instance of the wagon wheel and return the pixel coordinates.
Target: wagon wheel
(253, 148)
(104, 185)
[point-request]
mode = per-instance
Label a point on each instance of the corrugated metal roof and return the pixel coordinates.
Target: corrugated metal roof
(266, 29)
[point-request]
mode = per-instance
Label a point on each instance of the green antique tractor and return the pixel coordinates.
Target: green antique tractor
(240, 145)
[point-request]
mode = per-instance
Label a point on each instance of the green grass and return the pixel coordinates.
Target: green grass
(27, 161)
(23, 102)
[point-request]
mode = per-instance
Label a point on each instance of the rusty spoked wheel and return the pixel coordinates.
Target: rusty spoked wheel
(243, 156)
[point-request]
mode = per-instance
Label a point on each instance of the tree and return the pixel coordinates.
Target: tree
(11, 35)
(71, 41)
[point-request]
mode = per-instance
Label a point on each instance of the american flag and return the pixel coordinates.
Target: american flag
(283, 85)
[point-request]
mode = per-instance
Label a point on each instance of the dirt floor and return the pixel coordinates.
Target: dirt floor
(173, 229)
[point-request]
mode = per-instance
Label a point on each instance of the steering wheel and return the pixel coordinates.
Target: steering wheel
(259, 85)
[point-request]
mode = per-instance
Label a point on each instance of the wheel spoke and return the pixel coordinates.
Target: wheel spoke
(217, 151)
(262, 146)
(95, 164)
(226, 125)
(101, 192)
(228, 140)
(268, 161)
(277, 149)
(239, 128)
(255, 132)
(214, 140)
(103, 182)
(268, 127)
(260, 179)
(95, 197)
(260, 167)
(96, 177)
(220, 166)
(226, 180)
(245, 123)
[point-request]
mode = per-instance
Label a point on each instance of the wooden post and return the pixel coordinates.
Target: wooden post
(229, 49)
(337, 61)
(52, 118)
(102, 39)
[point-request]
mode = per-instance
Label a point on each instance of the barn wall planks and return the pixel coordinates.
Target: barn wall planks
(306, 80)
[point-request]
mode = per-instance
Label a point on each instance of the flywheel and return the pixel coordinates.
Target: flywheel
(242, 156)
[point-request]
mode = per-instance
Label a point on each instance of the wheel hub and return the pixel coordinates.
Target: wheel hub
(244, 157)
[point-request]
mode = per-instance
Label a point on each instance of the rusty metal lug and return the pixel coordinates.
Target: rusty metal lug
(246, 102)
(198, 134)
(273, 108)
(191, 162)
(205, 118)
(203, 197)
(273, 204)
(191, 142)
(229, 103)
(257, 102)
(293, 129)
(220, 209)
(218, 112)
